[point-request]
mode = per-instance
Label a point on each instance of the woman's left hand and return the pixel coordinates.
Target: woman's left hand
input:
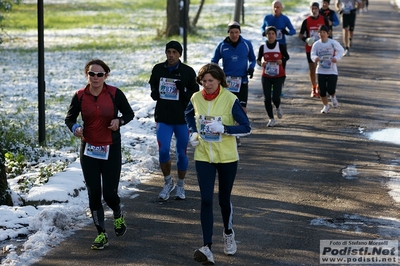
(114, 124)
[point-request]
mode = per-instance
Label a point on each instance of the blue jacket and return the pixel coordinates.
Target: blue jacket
(235, 60)
(280, 23)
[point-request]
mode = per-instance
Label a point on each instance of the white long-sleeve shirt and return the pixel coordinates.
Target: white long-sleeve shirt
(326, 51)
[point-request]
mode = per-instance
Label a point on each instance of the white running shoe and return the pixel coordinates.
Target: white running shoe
(204, 256)
(326, 109)
(335, 102)
(279, 111)
(168, 187)
(180, 193)
(229, 243)
(271, 123)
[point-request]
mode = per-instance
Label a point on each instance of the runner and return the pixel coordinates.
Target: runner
(325, 53)
(348, 10)
(309, 27)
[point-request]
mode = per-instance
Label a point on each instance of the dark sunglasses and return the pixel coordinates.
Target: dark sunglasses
(99, 74)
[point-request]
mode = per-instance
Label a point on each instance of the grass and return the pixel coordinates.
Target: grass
(101, 26)
(81, 15)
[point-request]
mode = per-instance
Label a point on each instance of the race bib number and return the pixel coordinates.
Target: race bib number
(326, 62)
(279, 34)
(347, 8)
(314, 35)
(234, 83)
(205, 132)
(97, 152)
(168, 89)
(272, 69)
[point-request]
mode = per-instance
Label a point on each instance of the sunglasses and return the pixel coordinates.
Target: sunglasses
(99, 74)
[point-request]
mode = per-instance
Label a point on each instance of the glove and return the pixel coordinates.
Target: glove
(155, 95)
(264, 34)
(75, 127)
(193, 139)
(310, 41)
(284, 31)
(179, 85)
(250, 72)
(216, 127)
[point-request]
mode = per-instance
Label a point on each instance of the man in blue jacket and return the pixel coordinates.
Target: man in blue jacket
(238, 61)
(281, 23)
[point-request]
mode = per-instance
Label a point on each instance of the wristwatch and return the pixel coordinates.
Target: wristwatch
(225, 130)
(121, 121)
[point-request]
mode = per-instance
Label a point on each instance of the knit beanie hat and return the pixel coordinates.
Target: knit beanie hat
(312, 4)
(233, 25)
(269, 28)
(175, 45)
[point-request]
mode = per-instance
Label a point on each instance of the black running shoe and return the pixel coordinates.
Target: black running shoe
(120, 226)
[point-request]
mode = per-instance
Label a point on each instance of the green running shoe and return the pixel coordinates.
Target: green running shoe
(100, 242)
(120, 226)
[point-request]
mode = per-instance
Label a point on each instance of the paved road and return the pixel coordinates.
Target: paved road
(290, 192)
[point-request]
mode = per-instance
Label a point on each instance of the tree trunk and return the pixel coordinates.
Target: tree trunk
(5, 196)
(196, 18)
(172, 18)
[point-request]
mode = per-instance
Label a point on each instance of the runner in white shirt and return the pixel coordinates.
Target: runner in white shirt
(325, 53)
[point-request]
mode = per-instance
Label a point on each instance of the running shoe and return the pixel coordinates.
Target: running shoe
(335, 102)
(100, 242)
(326, 109)
(229, 243)
(180, 193)
(204, 256)
(120, 226)
(279, 111)
(271, 123)
(168, 187)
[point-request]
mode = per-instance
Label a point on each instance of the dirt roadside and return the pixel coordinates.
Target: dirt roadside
(290, 192)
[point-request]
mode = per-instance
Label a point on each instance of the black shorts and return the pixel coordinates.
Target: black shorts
(349, 20)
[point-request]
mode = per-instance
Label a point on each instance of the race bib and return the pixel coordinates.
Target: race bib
(234, 83)
(326, 62)
(314, 35)
(168, 89)
(272, 69)
(205, 132)
(279, 34)
(347, 8)
(97, 152)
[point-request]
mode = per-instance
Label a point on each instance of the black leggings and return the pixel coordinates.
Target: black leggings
(206, 174)
(267, 84)
(102, 179)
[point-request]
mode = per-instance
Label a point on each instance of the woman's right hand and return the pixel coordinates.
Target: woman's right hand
(79, 132)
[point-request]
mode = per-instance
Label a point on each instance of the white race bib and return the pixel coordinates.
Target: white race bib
(272, 69)
(98, 152)
(168, 89)
(234, 83)
(205, 132)
(326, 62)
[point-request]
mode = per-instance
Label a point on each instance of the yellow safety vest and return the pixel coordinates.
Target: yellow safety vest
(215, 152)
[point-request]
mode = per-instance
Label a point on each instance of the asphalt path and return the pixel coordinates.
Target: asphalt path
(290, 190)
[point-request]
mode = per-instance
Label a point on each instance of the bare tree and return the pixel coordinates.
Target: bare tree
(196, 18)
(175, 16)
(172, 18)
